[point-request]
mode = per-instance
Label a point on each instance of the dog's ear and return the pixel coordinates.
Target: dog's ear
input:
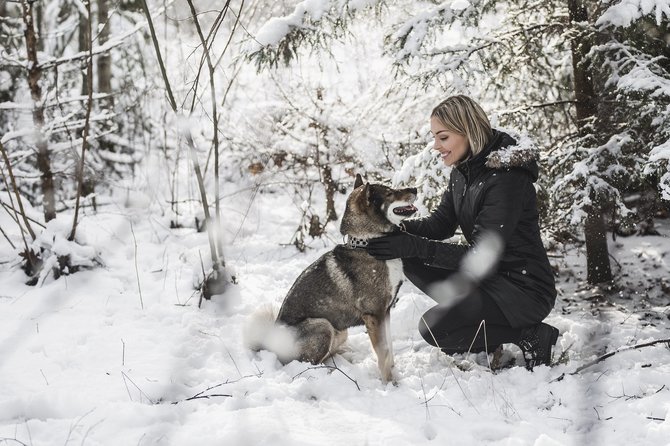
(359, 180)
(367, 192)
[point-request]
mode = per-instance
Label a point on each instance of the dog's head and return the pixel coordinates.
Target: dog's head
(373, 209)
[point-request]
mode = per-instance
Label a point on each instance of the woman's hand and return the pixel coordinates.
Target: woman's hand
(399, 245)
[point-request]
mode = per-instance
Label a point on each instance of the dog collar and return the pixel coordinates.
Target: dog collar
(355, 242)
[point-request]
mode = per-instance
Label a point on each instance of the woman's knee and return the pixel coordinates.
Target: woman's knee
(422, 275)
(434, 325)
(426, 332)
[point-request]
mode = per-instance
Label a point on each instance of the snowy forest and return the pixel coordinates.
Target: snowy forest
(168, 167)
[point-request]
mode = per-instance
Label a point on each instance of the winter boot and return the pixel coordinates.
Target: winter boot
(536, 343)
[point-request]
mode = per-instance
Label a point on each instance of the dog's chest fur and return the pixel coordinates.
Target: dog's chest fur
(395, 278)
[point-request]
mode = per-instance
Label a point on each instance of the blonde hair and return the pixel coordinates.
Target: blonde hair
(461, 114)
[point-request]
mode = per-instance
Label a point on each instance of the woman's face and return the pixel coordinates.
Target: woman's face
(452, 146)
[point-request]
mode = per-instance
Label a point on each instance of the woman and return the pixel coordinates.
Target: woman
(490, 192)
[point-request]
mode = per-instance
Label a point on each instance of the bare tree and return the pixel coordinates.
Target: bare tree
(34, 76)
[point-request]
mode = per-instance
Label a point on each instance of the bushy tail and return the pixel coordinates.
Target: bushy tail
(261, 332)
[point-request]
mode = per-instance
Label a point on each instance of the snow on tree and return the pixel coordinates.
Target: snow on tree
(565, 73)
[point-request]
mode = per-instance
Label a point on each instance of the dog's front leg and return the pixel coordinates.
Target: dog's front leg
(387, 337)
(378, 333)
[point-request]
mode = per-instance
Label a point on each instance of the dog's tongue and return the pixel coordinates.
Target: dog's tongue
(405, 210)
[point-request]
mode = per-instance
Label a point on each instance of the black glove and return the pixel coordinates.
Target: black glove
(399, 245)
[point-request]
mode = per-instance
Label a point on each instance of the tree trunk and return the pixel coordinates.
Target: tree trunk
(104, 62)
(580, 46)
(597, 253)
(331, 214)
(83, 47)
(34, 75)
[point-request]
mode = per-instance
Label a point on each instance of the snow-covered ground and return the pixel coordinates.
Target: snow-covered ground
(122, 355)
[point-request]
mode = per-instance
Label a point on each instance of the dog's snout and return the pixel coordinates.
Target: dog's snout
(411, 190)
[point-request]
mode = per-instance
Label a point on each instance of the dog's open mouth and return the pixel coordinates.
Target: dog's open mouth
(405, 211)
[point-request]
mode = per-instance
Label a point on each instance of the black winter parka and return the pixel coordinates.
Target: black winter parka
(494, 191)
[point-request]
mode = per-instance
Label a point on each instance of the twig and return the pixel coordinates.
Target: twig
(137, 272)
(204, 279)
(87, 122)
(610, 354)
(5, 157)
(329, 367)
(126, 377)
(7, 440)
(200, 395)
(215, 123)
(154, 39)
(189, 139)
(451, 369)
(7, 238)
(10, 206)
(205, 205)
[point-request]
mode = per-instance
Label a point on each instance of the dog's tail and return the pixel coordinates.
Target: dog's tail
(262, 332)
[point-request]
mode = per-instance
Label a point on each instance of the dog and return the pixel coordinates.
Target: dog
(345, 287)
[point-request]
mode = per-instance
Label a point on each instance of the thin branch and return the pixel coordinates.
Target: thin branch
(137, 271)
(7, 238)
(205, 204)
(215, 120)
(87, 124)
(5, 157)
(154, 39)
(189, 139)
(8, 207)
(127, 378)
(7, 440)
(535, 106)
(200, 395)
(204, 279)
(329, 367)
(610, 354)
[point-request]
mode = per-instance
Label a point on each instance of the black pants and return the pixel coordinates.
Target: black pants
(455, 328)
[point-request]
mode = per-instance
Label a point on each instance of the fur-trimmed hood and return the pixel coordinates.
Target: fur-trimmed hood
(506, 150)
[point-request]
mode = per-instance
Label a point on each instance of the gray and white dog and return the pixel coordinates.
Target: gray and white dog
(344, 288)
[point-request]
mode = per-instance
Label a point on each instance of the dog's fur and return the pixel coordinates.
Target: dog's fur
(345, 287)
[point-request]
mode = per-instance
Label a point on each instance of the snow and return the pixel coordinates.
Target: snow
(275, 29)
(460, 5)
(84, 363)
(625, 12)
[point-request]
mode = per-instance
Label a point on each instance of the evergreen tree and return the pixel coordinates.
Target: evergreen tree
(564, 72)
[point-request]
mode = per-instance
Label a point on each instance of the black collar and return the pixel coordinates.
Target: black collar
(356, 242)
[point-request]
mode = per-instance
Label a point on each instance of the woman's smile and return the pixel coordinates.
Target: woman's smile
(453, 147)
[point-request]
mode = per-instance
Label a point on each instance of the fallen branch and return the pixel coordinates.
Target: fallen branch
(610, 354)
(329, 367)
(200, 395)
